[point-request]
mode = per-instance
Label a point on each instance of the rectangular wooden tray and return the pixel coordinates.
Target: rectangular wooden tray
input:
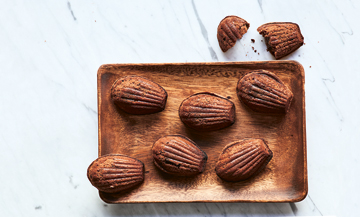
(283, 180)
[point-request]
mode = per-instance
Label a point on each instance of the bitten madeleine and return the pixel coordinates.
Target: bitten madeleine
(230, 29)
(207, 111)
(263, 91)
(243, 159)
(281, 38)
(178, 155)
(115, 173)
(138, 95)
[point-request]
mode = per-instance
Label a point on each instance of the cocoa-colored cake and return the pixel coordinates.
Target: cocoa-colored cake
(281, 38)
(178, 155)
(243, 159)
(230, 29)
(263, 91)
(207, 111)
(115, 173)
(138, 95)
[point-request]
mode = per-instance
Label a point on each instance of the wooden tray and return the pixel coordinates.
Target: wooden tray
(283, 180)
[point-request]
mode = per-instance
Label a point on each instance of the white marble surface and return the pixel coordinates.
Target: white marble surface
(50, 53)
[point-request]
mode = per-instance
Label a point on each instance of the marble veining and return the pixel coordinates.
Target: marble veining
(71, 11)
(204, 33)
(50, 53)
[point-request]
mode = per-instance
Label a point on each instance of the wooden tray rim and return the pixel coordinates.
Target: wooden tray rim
(102, 69)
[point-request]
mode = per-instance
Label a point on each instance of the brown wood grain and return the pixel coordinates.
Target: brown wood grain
(284, 179)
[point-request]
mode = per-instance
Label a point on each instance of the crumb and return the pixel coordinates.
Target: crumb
(261, 40)
(246, 54)
(304, 44)
(258, 53)
(95, 21)
(253, 48)
(45, 41)
(255, 51)
(299, 55)
(310, 67)
(253, 40)
(318, 41)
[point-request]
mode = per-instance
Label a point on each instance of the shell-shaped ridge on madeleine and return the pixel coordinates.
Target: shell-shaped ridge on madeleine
(230, 29)
(178, 155)
(138, 95)
(115, 173)
(207, 111)
(263, 91)
(243, 159)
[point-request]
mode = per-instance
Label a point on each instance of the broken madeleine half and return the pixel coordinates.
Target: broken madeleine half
(281, 38)
(230, 29)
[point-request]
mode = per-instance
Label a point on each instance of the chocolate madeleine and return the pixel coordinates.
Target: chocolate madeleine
(263, 91)
(230, 29)
(207, 111)
(115, 173)
(178, 155)
(243, 159)
(138, 95)
(281, 38)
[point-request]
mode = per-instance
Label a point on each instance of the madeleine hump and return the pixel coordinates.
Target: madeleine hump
(243, 159)
(115, 173)
(178, 155)
(230, 29)
(138, 95)
(263, 91)
(207, 111)
(281, 38)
